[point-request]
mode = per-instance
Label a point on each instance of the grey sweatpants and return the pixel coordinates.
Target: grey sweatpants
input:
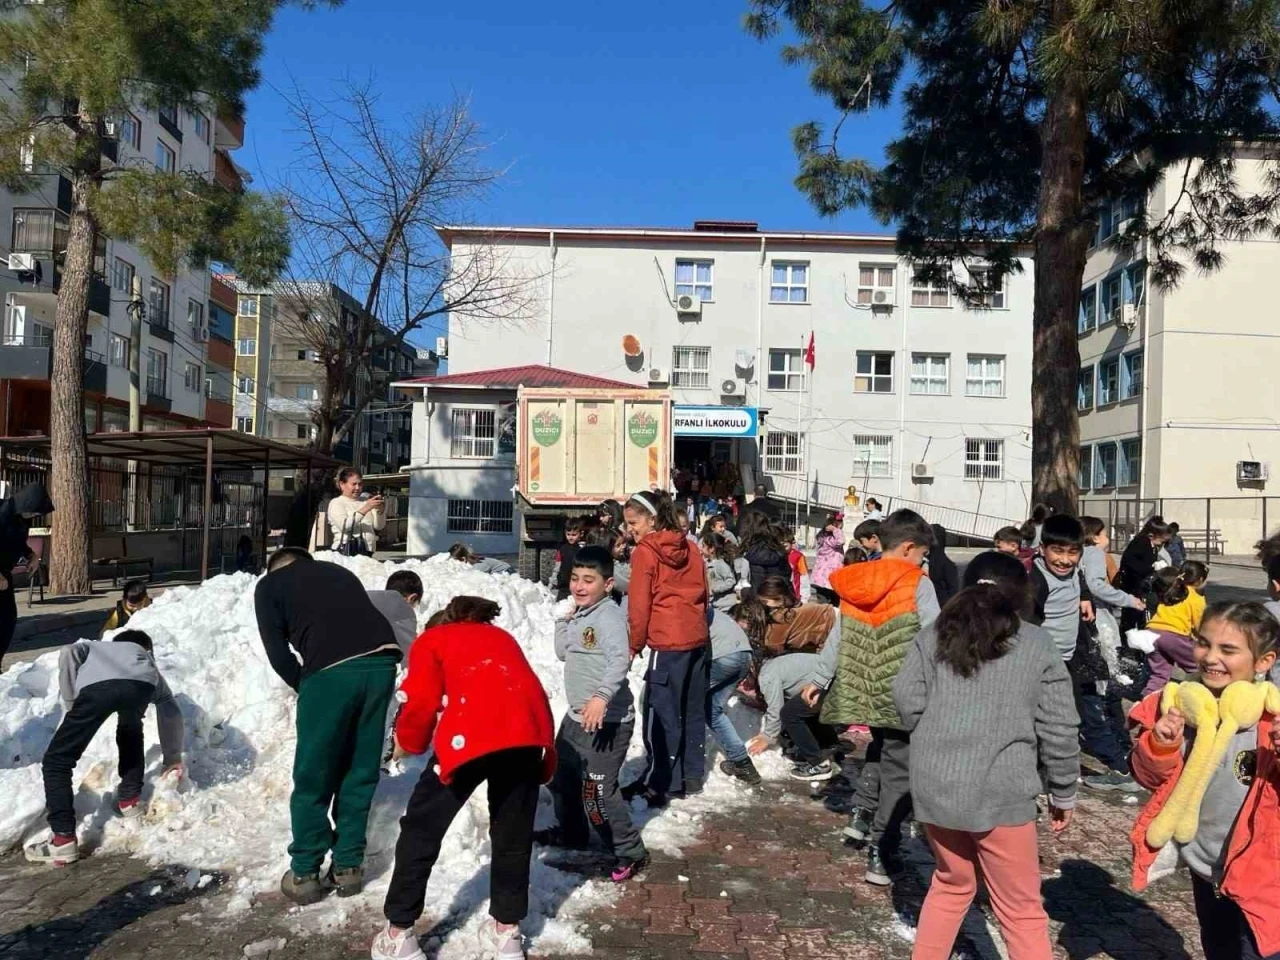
(884, 788)
(585, 787)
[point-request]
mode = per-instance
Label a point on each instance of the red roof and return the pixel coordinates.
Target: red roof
(531, 375)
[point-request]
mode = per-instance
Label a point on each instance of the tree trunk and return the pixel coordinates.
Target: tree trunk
(1061, 244)
(69, 566)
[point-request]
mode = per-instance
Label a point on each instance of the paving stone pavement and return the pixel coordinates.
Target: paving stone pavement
(773, 881)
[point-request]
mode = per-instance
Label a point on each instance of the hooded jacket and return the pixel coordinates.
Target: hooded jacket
(668, 594)
(767, 561)
(14, 527)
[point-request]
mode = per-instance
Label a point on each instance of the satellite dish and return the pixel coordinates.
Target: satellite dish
(744, 359)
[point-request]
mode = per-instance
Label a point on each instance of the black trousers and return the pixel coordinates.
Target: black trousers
(1224, 931)
(808, 736)
(675, 718)
(8, 617)
(128, 700)
(513, 777)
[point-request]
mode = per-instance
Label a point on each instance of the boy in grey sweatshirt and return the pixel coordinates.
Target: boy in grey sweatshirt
(95, 681)
(593, 738)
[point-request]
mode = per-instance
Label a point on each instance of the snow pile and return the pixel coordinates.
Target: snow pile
(232, 811)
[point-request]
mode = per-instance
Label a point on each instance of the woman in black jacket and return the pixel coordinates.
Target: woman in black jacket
(16, 515)
(943, 573)
(1137, 564)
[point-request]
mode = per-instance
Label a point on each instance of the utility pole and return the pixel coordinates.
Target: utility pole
(136, 310)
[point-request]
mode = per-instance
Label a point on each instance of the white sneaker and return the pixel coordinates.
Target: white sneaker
(500, 944)
(46, 851)
(399, 946)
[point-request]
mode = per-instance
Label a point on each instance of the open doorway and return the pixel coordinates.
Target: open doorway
(706, 466)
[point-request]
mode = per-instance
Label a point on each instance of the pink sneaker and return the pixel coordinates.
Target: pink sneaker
(628, 870)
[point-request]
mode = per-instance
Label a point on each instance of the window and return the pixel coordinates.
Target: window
(478, 516)
(786, 370)
(118, 351)
(872, 457)
(304, 432)
(926, 293)
(985, 377)
(307, 355)
(248, 306)
(244, 385)
(27, 154)
(1088, 310)
(247, 347)
(993, 299)
(195, 316)
(1085, 475)
(244, 424)
(1084, 389)
(168, 112)
(201, 124)
(1104, 466)
(873, 372)
(783, 452)
(305, 391)
(1108, 381)
(691, 367)
(131, 131)
(473, 435)
(1131, 375)
(1130, 462)
(157, 373)
(1116, 212)
(1112, 293)
(158, 303)
(1135, 279)
(693, 278)
(983, 459)
(930, 374)
(192, 376)
(166, 159)
(790, 283)
(122, 274)
(39, 231)
(872, 279)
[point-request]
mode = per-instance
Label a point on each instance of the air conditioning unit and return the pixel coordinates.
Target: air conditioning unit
(442, 347)
(22, 262)
(200, 334)
(1128, 315)
(658, 375)
(732, 387)
(688, 305)
(921, 471)
(884, 298)
(1251, 471)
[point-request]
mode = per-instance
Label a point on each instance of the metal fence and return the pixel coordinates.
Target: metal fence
(1209, 526)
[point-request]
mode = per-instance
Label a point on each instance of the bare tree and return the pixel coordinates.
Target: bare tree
(365, 197)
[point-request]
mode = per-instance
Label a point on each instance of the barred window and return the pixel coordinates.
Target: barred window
(983, 459)
(479, 516)
(473, 435)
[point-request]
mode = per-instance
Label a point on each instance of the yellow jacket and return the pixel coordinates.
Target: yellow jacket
(1181, 618)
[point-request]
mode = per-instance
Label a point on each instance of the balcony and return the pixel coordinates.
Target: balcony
(100, 297)
(229, 131)
(30, 357)
(226, 173)
(158, 394)
(160, 327)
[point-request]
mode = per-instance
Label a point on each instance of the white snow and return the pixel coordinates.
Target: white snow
(231, 811)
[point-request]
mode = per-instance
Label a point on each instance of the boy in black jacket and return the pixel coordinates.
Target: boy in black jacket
(575, 529)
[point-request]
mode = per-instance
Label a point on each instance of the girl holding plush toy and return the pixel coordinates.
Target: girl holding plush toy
(1208, 751)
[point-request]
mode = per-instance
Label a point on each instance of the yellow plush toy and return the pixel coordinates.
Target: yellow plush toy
(1239, 707)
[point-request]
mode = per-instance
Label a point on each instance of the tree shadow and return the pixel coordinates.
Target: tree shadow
(78, 936)
(1099, 917)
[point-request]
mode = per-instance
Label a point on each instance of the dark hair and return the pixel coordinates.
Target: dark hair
(594, 558)
(285, 556)
(460, 551)
(866, 529)
(1062, 530)
(346, 473)
(774, 587)
(755, 615)
(1273, 568)
(614, 509)
(1174, 528)
(871, 500)
(1039, 514)
(600, 536)
(1193, 571)
(904, 526)
(134, 591)
(406, 583)
(1251, 619)
(575, 525)
(1008, 535)
(436, 619)
(1170, 586)
(977, 624)
(467, 609)
(663, 512)
(1091, 527)
(757, 530)
(133, 636)
(854, 554)
(1268, 549)
(719, 543)
(1154, 527)
(786, 534)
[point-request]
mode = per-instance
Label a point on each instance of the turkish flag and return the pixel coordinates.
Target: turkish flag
(809, 353)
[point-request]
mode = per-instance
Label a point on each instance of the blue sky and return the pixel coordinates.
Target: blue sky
(608, 113)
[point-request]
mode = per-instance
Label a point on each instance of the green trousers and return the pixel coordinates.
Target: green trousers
(342, 718)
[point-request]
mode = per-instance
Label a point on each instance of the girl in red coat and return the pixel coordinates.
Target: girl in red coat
(494, 725)
(667, 611)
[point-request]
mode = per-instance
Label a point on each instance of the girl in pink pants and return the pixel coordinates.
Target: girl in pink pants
(987, 700)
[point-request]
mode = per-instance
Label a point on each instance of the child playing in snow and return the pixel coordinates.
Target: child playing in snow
(988, 704)
(472, 698)
(1167, 638)
(830, 558)
(722, 581)
(133, 598)
(730, 663)
(95, 681)
(1230, 847)
(592, 743)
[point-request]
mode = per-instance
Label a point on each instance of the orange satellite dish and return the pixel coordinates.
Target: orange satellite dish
(630, 346)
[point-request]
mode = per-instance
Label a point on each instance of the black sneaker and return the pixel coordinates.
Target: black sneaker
(745, 771)
(555, 837)
(632, 790)
(813, 772)
(880, 869)
(859, 828)
(1113, 780)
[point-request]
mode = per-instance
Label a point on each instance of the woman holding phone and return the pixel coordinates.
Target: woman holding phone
(355, 519)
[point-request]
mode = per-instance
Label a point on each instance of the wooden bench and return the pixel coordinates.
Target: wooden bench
(121, 563)
(1197, 540)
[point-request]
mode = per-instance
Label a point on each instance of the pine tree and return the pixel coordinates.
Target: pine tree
(1021, 117)
(71, 66)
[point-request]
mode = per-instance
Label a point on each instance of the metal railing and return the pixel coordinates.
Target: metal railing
(1209, 526)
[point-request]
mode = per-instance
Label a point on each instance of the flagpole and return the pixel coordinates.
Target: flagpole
(801, 440)
(810, 361)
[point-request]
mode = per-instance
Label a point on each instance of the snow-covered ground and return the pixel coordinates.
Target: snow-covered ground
(232, 811)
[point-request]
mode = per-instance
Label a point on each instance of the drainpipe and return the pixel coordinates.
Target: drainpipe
(759, 369)
(551, 305)
(904, 380)
(1146, 378)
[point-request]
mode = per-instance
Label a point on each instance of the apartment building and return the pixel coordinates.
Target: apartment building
(220, 357)
(1176, 393)
(254, 320)
(913, 394)
(174, 310)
